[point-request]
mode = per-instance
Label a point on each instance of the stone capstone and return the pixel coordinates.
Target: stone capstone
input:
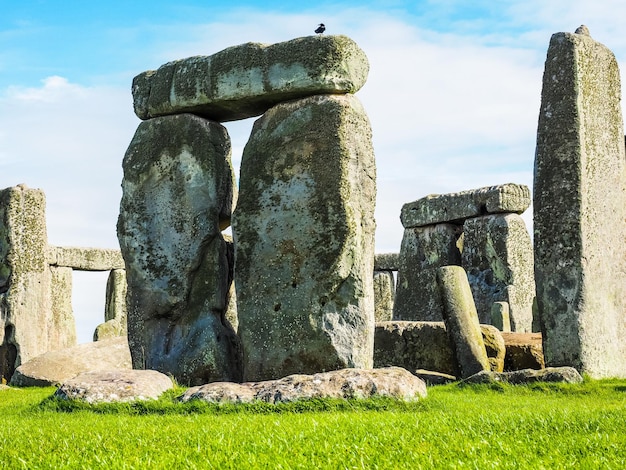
(246, 80)
(456, 207)
(85, 259)
(579, 209)
(115, 386)
(177, 195)
(304, 239)
(55, 367)
(392, 382)
(386, 261)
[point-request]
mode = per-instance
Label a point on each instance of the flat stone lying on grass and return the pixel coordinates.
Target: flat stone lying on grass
(4, 387)
(549, 374)
(345, 383)
(434, 378)
(55, 367)
(115, 386)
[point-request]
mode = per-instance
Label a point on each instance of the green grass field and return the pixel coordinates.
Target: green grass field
(540, 426)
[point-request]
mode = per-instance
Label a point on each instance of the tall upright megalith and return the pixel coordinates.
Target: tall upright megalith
(304, 239)
(579, 208)
(177, 196)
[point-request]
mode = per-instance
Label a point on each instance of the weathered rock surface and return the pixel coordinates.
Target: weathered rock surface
(579, 208)
(523, 351)
(423, 251)
(434, 378)
(346, 383)
(304, 239)
(498, 258)
(550, 374)
(384, 290)
(246, 80)
(386, 261)
(115, 386)
(85, 259)
(178, 191)
(456, 207)
(115, 313)
(461, 319)
(426, 345)
(55, 367)
(31, 320)
(500, 317)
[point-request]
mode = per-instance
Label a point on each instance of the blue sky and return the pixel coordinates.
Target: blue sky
(453, 94)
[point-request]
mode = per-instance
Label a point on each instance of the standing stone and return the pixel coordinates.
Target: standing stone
(384, 290)
(461, 320)
(304, 239)
(500, 317)
(423, 251)
(579, 209)
(177, 195)
(115, 316)
(31, 323)
(498, 258)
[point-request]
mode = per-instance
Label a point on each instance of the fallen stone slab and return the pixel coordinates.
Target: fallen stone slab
(246, 80)
(456, 207)
(525, 376)
(55, 367)
(4, 387)
(115, 386)
(434, 378)
(523, 351)
(393, 382)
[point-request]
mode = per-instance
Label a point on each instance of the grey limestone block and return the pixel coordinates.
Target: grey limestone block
(456, 207)
(461, 321)
(85, 259)
(246, 80)
(579, 208)
(384, 290)
(304, 239)
(498, 258)
(423, 250)
(177, 195)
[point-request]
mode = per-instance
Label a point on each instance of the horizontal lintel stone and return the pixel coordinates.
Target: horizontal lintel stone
(386, 261)
(85, 259)
(246, 80)
(456, 207)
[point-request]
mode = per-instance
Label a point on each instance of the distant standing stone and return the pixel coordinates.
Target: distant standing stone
(580, 209)
(384, 290)
(304, 239)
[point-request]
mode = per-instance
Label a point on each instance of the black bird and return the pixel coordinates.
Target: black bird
(320, 28)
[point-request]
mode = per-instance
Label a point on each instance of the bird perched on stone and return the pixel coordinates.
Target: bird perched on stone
(582, 29)
(320, 28)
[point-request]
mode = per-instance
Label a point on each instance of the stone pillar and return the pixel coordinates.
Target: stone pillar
(304, 239)
(461, 321)
(178, 194)
(115, 316)
(384, 290)
(579, 209)
(30, 322)
(423, 251)
(498, 258)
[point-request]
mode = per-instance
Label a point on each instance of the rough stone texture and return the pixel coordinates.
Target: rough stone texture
(115, 313)
(178, 191)
(523, 351)
(115, 386)
(426, 345)
(246, 80)
(579, 209)
(85, 259)
(550, 374)
(304, 239)
(62, 332)
(423, 250)
(500, 317)
(386, 262)
(346, 383)
(55, 367)
(456, 207)
(384, 290)
(434, 378)
(28, 326)
(498, 258)
(461, 320)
